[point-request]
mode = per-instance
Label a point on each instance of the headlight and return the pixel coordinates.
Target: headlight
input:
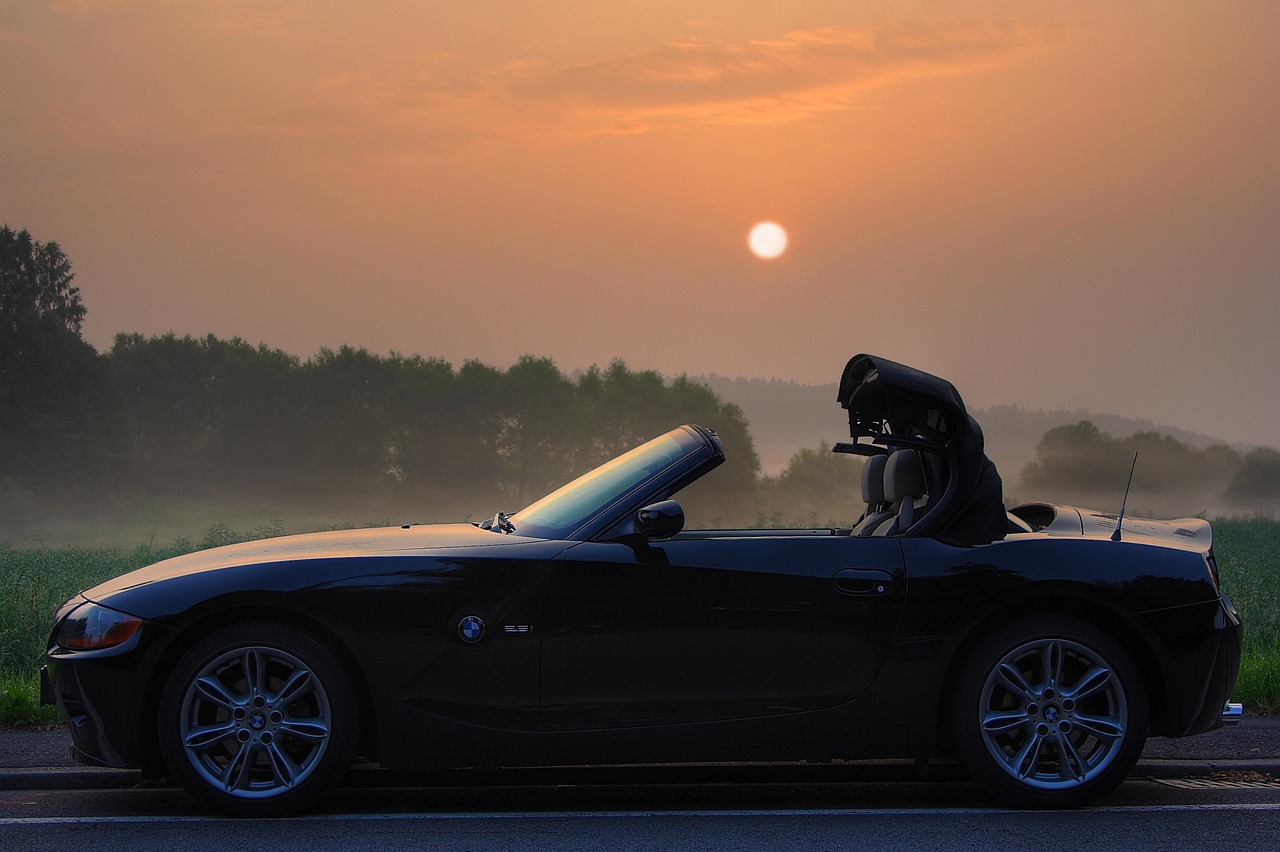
(90, 627)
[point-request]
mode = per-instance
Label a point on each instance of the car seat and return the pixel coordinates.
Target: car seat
(879, 510)
(904, 486)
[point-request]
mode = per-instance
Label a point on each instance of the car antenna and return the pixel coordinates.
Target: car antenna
(1115, 536)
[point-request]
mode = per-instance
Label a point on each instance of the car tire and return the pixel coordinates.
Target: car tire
(1048, 712)
(258, 720)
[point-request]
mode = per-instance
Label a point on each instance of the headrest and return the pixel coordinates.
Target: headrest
(873, 480)
(903, 475)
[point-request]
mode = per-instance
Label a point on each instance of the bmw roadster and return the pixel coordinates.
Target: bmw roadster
(1040, 646)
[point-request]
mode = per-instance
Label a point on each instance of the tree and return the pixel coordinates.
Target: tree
(427, 452)
(538, 434)
(1258, 479)
(35, 294)
(207, 412)
(816, 488)
(1076, 456)
(346, 436)
(57, 412)
(1081, 462)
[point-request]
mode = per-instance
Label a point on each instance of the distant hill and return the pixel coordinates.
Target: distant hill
(1011, 427)
(786, 416)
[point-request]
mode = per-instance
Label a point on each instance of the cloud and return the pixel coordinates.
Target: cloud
(438, 106)
(803, 72)
(682, 84)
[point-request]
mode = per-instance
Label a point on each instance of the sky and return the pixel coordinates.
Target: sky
(1052, 204)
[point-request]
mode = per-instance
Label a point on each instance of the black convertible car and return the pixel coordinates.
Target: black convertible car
(1039, 646)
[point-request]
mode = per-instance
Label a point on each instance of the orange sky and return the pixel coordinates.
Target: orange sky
(1054, 204)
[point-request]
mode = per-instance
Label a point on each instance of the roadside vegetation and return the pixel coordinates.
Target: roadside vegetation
(1248, 551)
(34, 581)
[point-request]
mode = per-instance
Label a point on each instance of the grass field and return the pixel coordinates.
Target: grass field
(35, 580)
(1248, 551)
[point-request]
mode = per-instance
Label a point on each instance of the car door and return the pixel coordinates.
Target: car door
(715, 627)
(451, 635)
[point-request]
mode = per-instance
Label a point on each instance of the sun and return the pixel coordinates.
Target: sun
(767, 240)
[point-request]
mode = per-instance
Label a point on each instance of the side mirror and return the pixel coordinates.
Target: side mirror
(660, 520)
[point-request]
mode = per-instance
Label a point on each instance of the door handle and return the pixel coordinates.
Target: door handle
(863, 581)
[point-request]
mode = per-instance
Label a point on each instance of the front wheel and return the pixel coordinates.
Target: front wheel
(1049, 713)
(258, 720)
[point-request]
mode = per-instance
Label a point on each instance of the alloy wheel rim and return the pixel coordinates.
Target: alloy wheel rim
(255, 722)
(1053, 714)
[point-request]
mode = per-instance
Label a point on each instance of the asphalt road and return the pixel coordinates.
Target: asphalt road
(1142, 814)
(1193, 793)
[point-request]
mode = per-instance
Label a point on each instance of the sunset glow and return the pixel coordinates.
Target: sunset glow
(1093, 186)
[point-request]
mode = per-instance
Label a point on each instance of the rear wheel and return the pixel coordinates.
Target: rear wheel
(1049, 712)
(258, 720)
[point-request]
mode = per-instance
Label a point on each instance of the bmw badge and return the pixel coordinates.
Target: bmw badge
(471, 629)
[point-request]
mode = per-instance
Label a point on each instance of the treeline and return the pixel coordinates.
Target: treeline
(1082, 459)
(179, 414)
(226, 413)
(182, 415)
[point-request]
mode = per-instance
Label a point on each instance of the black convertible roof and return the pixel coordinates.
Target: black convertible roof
(871, 383)
(900, 407)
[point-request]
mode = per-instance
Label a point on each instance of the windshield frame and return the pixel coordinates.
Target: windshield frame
(599, 498)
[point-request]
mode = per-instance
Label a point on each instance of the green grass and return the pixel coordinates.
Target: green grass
(20, 704)
(34, 581)
(1259, 684)
(1248, 551)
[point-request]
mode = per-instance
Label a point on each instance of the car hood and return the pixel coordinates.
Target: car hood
(364, 543)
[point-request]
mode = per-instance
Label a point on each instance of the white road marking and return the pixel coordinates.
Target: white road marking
(799, 812)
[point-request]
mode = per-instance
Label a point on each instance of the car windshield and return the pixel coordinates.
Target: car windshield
(566, 509)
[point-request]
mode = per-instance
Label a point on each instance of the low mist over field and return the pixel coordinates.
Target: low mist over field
(171, 437)
(1042, 455)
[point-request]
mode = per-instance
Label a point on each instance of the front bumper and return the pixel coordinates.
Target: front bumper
(83, 736)
(98, 731)
(102, 697)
